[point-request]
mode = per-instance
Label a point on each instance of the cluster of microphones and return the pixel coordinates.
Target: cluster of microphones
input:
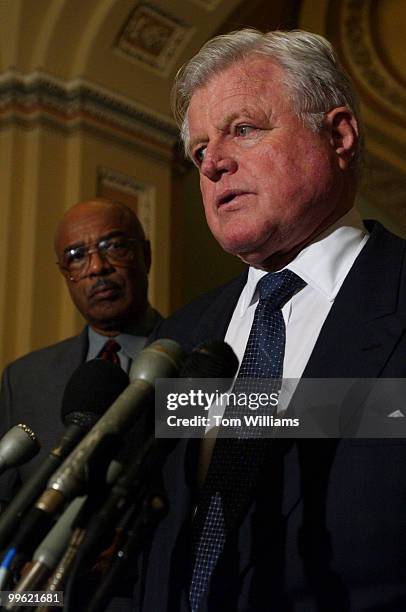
(90, 507)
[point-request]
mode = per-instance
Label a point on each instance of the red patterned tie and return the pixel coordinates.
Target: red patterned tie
(109, 352)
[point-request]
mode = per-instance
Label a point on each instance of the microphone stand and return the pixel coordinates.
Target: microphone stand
(140, 527)
(133, 502)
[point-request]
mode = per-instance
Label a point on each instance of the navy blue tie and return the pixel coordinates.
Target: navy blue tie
(236, 462)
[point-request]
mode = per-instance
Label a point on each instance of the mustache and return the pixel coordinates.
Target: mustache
(103, 283)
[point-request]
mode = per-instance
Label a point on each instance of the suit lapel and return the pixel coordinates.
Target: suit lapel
(72, 352)
(216, 318)
(360, 331)
(364, 324)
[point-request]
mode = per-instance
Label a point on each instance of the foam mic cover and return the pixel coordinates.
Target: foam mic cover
(211, 359)
(91, 389)
(161, 359)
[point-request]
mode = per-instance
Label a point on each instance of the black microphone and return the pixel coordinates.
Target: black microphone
(90, 391)
(17, 446)
(212, 359)
(161, 359)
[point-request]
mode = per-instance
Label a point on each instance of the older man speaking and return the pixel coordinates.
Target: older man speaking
(271, 122)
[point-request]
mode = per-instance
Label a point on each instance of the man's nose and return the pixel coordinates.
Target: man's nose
(97, 264)
(217, 162)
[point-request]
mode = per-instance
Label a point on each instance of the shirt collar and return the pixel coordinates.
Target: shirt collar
(130, 344)
(324, 263)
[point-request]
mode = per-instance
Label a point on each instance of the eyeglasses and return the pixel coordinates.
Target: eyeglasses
(118, 250)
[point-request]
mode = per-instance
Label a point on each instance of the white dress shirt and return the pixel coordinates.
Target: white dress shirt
(323, 265)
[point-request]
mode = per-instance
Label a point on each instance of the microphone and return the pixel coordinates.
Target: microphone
(17, 446)
(50, 550)
(54, 553)
(161, 359)
(91, 389)
(212, 359)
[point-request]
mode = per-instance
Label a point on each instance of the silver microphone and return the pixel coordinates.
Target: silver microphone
(17, 446)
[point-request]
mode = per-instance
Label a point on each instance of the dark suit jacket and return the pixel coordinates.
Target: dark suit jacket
(31, 392)
(326, 529)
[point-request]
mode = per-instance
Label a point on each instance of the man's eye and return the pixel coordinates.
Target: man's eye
(74, 255)
(244, 130)
(113, 246)
(199, 154)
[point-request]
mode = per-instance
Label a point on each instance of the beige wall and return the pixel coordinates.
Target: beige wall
(32, 182)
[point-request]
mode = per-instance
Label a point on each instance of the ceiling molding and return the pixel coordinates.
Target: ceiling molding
(153, 38)
(38, 97)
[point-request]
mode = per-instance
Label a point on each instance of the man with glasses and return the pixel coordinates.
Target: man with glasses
(105, 258)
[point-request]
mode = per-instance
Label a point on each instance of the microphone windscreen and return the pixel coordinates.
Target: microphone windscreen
(92, 388)
(212, 359)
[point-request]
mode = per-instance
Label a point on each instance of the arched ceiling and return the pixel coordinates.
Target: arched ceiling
(127, 47)
(117, 58)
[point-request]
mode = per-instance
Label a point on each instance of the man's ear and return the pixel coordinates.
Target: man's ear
(146, 246)
(344, 134)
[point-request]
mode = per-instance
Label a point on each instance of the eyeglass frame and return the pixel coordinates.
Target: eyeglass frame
(93, 248)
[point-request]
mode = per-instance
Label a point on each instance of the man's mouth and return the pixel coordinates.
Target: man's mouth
(103, 290)
(228, 196)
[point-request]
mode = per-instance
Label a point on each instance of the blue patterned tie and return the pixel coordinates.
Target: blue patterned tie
(236, 462)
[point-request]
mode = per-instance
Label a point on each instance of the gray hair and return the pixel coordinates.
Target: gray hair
(312, 74)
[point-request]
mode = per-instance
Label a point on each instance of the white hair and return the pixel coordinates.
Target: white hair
(312, 74)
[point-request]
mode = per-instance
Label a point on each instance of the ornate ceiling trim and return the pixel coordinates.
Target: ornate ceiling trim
(364, 58)
(80, 104)
(153, 39)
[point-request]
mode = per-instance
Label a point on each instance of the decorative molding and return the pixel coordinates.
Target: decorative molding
(363, 56)
(153, 38)
(142, 193)
(80, 104)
